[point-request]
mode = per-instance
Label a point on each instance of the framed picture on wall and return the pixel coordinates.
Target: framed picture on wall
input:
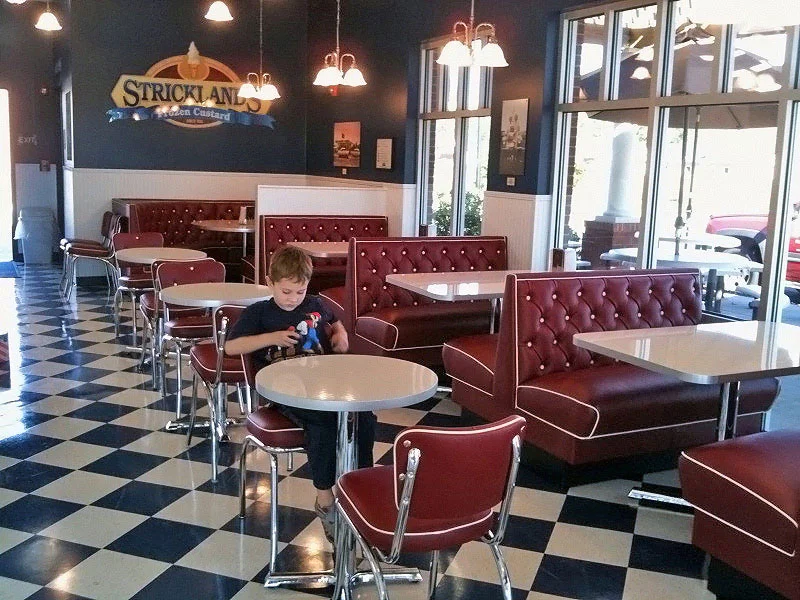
(347, 144)
(513, 133)
(383, 153)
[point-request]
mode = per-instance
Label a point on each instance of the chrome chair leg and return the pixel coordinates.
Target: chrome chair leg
(434, 573)
(192, 410)
(147, 335)
(134, 315)
(117, 297)
(248, 398)
(179, 378)
(240, 398)
(273, 513)
(156, 365)
(243, 475)
(214, 416)
(290, 462)
(502, 569)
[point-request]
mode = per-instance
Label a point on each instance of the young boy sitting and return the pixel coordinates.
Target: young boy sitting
(289, 325)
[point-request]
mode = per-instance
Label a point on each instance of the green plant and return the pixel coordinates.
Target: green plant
(443, 214)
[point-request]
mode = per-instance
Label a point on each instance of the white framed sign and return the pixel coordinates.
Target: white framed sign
(383, 153)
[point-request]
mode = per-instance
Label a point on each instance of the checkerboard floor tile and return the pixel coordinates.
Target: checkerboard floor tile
(98, 501)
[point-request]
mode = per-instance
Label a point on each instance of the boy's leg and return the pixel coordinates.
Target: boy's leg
(366, 438)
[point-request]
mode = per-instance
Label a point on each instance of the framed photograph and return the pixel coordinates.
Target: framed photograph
(513, 133)
(347, 144)
(383, 153)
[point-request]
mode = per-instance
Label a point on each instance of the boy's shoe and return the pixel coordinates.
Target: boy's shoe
(328, 518)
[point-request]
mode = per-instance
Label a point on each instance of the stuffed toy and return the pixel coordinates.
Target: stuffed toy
(307, 328)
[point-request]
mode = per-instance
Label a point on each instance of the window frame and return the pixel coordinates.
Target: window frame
(788, 127)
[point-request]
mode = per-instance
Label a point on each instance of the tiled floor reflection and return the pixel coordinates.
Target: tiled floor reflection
(98, 501)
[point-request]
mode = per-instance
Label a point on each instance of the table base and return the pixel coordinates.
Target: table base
(182, 424)
(327, 578)
(638, 494)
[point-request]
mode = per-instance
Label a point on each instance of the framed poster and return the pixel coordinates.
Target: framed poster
(383, 153)
(513, 132)
(347, 144)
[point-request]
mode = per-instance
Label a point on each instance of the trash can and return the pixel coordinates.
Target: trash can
(35, 230)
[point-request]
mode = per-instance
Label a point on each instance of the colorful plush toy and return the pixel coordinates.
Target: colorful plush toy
(307, 328)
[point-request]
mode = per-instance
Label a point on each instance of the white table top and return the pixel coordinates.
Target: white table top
(689, 258)
(211, 295)
(711, 240)
(453, 286)
(227, 225)
(346, 382)
(709, 353)
(323, 249)
(147, 255)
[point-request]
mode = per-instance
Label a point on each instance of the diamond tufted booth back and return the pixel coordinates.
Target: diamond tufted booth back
(542, 311)
(173, 218)
(277, 230)
(372, 260)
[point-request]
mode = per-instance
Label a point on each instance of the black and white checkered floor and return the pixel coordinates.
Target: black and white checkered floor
(98, 501)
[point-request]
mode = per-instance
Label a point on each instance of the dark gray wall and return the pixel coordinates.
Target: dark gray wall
(112, 37)
(386, 37)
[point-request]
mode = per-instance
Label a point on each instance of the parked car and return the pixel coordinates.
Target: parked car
(751, 230)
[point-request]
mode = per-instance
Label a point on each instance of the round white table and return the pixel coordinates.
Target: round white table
(229, 226)
(147, 255)
(345, 384)
(323, 249)
(212, 295)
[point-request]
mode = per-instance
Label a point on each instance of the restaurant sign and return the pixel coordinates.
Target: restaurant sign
(188, 91)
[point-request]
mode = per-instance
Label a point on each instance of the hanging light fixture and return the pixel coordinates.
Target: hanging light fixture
(458, 52)
(218, 11)
(47, 21)
(259, 85)
(333, 73)
(16, 1)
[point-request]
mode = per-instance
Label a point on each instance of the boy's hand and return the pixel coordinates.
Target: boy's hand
(285, 338)
(339, 341)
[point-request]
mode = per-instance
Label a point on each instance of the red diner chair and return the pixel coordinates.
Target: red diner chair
(133, 279)
(184, 327)
(75, 249)
(428, 501)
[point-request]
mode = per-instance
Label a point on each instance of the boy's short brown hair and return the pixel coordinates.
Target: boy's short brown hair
(289, 262)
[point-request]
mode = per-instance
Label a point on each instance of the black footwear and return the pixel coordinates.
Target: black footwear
(328, 518)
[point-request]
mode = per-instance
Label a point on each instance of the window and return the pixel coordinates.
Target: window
(454, 151)
(676, 153)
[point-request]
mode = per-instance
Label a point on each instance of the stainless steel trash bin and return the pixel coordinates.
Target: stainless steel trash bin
(35, 227)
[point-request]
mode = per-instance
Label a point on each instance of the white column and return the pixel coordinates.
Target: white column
(622, 201)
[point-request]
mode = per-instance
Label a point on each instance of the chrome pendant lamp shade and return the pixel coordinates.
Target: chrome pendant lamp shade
(218, 11)
(47, 20)
(460, 51)
(259, 85)
(333, 72)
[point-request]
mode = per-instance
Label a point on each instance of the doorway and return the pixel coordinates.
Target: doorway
(6, 200)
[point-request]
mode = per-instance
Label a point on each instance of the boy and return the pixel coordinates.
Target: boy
(292, 324)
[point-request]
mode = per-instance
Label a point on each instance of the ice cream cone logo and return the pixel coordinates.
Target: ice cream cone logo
(188, 90)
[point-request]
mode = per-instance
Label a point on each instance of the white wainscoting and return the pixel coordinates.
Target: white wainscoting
(88, 193)
(525, 220)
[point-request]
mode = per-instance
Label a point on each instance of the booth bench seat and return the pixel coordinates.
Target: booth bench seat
(746, 494)
(387, 320)
(582, 407)
(277, 230)
(173, 218)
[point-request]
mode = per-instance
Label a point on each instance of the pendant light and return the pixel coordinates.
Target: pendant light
(48, 21)
(218, 11)
(259, 85)
(333, 73)
(16, 1)
(458, 52)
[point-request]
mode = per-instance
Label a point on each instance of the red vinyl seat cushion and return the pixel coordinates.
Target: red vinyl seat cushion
(471, 359)
(750, 483)
(621, 398)
(368, 498)
(191, 327)
(423, 325)
(272, 428)
(204, 360)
